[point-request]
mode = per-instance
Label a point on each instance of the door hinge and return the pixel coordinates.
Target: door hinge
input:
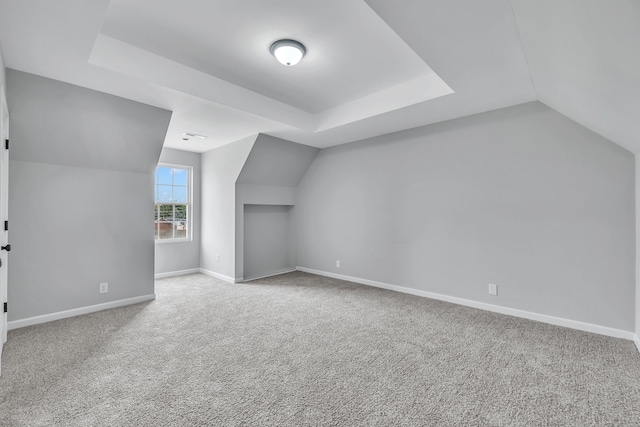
(6, 226)
(6, 144)
(5, 307)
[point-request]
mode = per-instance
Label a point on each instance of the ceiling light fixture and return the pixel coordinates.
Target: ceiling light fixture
(288, 52)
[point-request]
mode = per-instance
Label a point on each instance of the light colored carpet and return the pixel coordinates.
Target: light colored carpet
(299, 349)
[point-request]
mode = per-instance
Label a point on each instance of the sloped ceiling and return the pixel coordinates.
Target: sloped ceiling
(276, 162)
(57, 123)
(373, 67)
(584, 57)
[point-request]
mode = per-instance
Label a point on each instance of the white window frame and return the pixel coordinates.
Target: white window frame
(189, 203)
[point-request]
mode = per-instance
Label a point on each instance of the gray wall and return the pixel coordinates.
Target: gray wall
(72, 228)
(58, 123)
(276, 162)
(268, 245)
(251, 194)
(3, 78)
(637, 248)
(521, 197)
(80, 196)
(220, 170)
(269, 176)
(178, 256)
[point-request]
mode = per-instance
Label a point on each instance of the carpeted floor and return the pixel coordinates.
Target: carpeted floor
(299, 349)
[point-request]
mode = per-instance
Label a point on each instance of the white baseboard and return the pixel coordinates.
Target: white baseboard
(29, 321)
(636, 339)
(217, 275)
(176, 273)
(269, 275)
(559, 321)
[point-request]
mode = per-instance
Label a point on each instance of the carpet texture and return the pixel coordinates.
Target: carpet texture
(299, 349)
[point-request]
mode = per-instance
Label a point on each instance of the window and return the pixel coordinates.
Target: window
(173, 202)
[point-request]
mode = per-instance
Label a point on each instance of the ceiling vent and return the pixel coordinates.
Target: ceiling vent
(187, 135)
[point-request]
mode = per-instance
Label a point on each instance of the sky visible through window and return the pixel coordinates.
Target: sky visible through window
(171, 185)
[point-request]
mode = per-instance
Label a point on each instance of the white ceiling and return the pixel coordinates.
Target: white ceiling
(372, 67)
(230, 42)
(584, 57)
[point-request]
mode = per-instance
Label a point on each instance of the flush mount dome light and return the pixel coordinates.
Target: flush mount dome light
(288, 52)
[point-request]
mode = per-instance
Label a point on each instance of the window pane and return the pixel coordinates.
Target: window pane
(180, 228)
(171, 194)
(165, 230)
(180, 194)
(163, 219)
(165, 222)
(165, 212)
(163, 193)
(180, 177)
(180, 213)
(163, 175)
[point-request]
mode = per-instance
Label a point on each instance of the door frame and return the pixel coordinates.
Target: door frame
(4, 209)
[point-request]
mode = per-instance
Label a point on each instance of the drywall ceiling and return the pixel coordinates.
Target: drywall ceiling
(584, 57)
(53, 132)
(276, 162)
(373, 67)
(224, 40)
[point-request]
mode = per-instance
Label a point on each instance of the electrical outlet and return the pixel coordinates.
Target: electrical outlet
(337, 263)
(217, 257)
(104, 287)
(493, 289)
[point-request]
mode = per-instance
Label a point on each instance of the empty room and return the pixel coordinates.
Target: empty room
(319, 213)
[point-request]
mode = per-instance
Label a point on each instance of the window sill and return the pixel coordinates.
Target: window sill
(164, 241)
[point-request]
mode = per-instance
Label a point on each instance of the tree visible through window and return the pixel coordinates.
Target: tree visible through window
(171, 192)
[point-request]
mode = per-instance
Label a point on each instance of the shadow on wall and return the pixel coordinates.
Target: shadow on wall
(269, 240)
(266, 192)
